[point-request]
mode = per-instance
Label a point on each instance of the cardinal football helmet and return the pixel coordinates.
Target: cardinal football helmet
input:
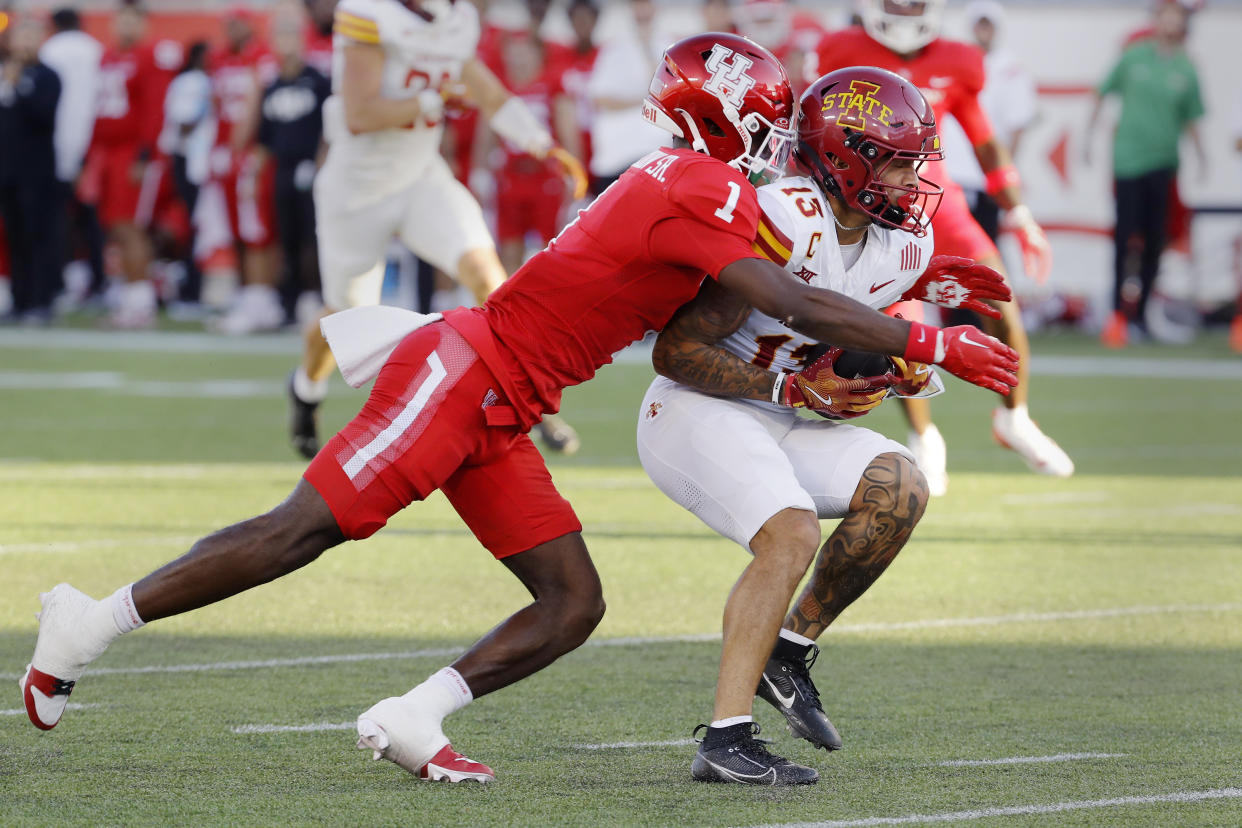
(904, 26)
(729, 98)
(853, 124)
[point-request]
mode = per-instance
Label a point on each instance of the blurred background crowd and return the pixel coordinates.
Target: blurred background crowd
(156, 159)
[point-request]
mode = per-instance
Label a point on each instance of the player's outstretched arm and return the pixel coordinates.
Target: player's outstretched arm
(507, 114)
(687, 350)
(828, 316)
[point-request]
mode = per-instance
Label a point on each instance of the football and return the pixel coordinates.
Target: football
(853, 364)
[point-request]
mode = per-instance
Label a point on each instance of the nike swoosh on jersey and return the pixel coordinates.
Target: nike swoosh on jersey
(874, 288)
(786, 701)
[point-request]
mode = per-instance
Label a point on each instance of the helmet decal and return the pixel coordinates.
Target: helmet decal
(857, 104)
(728, 81)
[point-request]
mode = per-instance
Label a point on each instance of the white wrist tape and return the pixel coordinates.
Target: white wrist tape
(516, 123)
(430, 105)
(778, 387)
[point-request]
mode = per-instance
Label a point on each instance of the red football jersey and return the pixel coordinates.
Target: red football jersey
(948, 73)
(575, 72)
(129, 85)
(237, 78)
(619, 270)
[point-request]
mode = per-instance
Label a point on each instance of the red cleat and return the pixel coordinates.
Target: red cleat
(450, 766)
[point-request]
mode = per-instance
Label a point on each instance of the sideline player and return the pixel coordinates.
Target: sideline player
(455, 397)
(903, 37)
(718, 432)
(394, 65)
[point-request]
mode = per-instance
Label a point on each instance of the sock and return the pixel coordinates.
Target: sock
(441, 694)
(307, 389)
(727, 731)
(732, 720)
(790, 635)
(124, 614)
(1017, 414)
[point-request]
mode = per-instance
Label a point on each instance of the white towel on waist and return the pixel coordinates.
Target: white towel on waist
(363, 338)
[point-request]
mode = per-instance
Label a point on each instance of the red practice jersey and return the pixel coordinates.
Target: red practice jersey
(237, 78)
(621, 269)
(574, 68)
(948, 73)
(130, 104)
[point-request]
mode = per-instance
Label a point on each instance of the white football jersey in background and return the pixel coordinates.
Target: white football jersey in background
(418, 54)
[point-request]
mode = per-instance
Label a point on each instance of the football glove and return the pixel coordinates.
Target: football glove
(819, 388)
(955, 282)
(912, 377)
(1036, 252)
(573, 169)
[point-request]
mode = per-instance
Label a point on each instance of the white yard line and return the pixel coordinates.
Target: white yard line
(631, 745)
(1027, 760)
(1021, 810)
(306, 728)
(64, 547)
(21, 711)
(441, 652)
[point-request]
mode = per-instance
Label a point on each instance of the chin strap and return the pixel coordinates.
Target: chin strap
(696, 140)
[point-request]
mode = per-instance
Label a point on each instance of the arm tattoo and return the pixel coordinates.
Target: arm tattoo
(893, 495)
(687, 350)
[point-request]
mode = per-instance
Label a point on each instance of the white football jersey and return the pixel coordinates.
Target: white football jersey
(797, 230)
(418, 54)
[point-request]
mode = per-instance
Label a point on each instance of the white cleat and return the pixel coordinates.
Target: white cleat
(62, 653)
(931, 456)
(393, 730)
(1014, 429)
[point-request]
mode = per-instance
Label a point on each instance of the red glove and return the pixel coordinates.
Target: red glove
(954, 282)
(1036, 252)
(965, 352)
(819, 388)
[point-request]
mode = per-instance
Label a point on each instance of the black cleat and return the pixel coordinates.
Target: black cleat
(303, 431)
(786, 685)
(733, 754)
(558, 435)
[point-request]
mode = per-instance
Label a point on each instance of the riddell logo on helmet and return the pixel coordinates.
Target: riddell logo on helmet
(855, 106)
(729, 81)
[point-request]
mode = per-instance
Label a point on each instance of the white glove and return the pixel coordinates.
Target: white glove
(430, 106)
(1036, 252)
(517, 124)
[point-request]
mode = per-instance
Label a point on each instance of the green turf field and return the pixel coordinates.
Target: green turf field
(1094, 623)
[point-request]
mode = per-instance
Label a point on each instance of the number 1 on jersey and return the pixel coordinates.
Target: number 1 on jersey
(725, 213)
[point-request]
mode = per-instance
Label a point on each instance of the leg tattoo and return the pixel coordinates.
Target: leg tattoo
(887, 504)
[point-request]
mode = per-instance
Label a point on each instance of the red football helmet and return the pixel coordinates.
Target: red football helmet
(729, 98)
(853, 124)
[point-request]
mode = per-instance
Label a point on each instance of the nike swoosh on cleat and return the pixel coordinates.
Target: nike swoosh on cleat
(786, 701)
(745, 777)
